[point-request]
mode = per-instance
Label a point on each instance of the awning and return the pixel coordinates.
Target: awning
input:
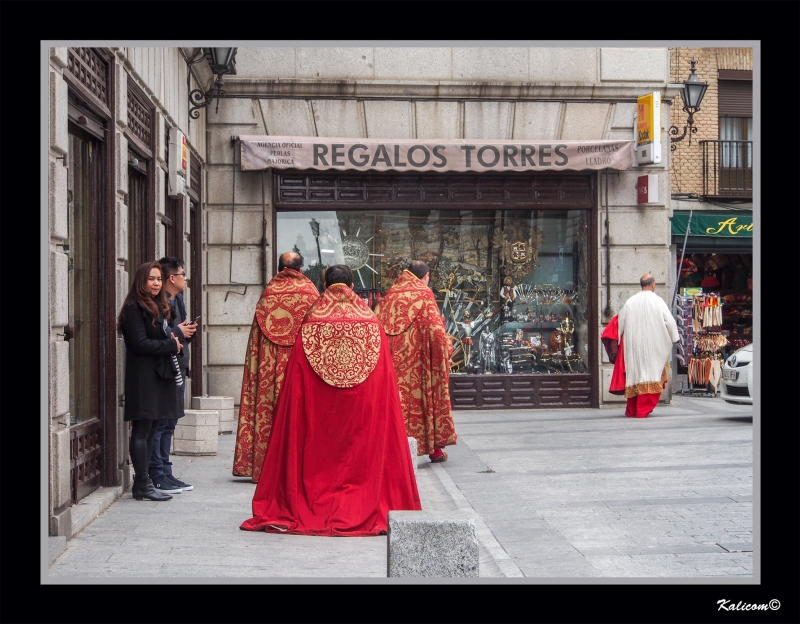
(443, 155)
(717, 223)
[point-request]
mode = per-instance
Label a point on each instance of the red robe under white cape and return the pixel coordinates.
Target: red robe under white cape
(338, 459)
(614, 349)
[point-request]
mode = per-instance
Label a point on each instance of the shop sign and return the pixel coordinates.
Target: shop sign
(722, 223)
(324, 153)
(647, 189)
(647, 122)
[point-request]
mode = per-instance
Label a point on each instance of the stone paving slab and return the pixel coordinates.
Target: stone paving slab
(567, 493)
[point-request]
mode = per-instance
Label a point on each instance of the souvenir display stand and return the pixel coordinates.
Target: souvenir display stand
(702, 345)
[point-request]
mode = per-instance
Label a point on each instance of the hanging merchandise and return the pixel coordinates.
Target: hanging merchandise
(697, 315)
(706, 311)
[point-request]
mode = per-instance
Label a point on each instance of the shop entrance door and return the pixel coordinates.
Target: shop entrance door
(86, 183)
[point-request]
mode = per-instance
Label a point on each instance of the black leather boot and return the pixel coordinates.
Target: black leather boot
(143, 488)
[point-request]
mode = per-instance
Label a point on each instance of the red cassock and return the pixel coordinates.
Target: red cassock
(338, 458)
(613, 345)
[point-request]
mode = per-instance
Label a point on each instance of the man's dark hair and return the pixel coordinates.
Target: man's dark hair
(338, 274)
(290, 260)
(646, 280)
(171, 265)
(419, 268)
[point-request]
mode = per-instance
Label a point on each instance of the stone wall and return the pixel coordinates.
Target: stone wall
(487, 93)
(161, 73)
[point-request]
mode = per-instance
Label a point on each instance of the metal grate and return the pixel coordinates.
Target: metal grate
(90, 70)
(194, 173)
(86, 458)
(728, 169)
(536, 190)
(140, 116)
(737, 391)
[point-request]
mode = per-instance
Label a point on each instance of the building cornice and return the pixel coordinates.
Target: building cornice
(292, 88)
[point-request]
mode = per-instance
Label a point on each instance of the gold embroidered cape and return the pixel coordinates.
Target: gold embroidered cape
(421, 352)
(341, 337)
(278, 316)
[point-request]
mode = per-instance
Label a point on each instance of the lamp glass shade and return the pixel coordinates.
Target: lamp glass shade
(222, 59)
(693, 92)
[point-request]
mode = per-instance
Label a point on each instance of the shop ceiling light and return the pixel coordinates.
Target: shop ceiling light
(692, 94)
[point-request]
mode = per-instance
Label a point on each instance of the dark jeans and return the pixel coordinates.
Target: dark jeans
(141, 445)
(159, 459)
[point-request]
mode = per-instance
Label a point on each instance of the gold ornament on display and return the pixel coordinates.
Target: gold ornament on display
(519, 255)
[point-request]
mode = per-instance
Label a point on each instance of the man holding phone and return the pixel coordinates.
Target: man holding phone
(175, 280)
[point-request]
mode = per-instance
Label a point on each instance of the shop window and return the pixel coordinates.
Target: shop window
(85, 199)
(141, 243)
(511, 284)
(173, 226)
(87, 355)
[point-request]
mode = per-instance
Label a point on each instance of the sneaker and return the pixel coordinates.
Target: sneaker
(181, 484)
(163, 485)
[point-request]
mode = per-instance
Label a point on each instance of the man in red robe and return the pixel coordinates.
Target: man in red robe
(421, 352)
(338, 458)
(648, 330)
(277, 319)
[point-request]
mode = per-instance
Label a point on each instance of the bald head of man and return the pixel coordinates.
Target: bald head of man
(647, 282)
(290, 260)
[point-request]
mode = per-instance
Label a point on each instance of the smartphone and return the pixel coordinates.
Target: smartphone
(195, 320)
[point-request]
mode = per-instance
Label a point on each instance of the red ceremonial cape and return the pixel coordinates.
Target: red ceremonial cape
(421, 351)
(612, 343)
(276, 322)
(338, 459)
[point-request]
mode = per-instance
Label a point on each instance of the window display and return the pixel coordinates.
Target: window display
(729, 276)
(511, 284)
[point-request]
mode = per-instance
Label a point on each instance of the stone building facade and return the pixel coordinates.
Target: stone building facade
(585, 93)
(712, 176)
(225, 226)
(686, 171)
(111, 112)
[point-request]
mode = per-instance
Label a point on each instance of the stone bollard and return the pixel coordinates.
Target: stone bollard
(412, 446)
(223, 404)
(432, 544)
(196, 433)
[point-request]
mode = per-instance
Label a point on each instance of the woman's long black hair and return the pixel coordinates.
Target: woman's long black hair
(140, 292)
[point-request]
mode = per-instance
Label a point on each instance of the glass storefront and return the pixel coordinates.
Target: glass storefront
(512, 285)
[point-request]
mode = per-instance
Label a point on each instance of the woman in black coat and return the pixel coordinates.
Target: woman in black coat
(151, 381)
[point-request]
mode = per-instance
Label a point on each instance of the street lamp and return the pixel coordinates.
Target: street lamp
(691, 94)
(221, 61)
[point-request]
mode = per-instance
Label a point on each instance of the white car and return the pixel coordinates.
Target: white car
(737, 377)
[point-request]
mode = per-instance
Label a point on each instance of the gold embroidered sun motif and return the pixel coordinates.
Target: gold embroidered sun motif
(343, 354)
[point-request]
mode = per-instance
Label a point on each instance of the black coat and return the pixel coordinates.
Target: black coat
(148, 395)
(178, 316)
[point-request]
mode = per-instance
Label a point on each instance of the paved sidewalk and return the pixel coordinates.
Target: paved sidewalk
(561, 493)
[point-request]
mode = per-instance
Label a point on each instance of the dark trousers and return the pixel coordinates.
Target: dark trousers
(159, 458)
(141, 445)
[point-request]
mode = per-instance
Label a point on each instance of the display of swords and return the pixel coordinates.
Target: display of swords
(453, 309)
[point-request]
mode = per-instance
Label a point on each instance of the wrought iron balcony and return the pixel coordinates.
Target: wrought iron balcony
(727, 169)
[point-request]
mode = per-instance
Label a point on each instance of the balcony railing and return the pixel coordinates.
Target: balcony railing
(728, 169)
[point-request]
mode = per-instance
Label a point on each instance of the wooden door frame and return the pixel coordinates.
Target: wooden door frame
(106, 213)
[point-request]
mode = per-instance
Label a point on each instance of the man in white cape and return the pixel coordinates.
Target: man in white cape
(648, 331)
